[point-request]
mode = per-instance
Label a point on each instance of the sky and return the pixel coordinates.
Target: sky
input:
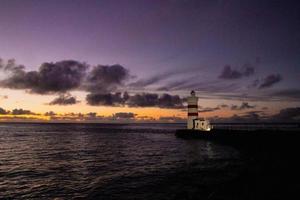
(138, 60)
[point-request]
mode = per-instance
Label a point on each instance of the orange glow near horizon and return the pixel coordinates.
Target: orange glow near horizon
(38, 104)
(8, 117)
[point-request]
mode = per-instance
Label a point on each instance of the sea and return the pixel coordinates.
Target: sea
(108, 161)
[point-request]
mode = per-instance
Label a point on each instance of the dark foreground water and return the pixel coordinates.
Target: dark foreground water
(96, 161)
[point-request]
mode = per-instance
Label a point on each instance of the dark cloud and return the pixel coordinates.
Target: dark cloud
(126, 96)
(3, 111)
(50, 113)
(248, 70)
(101, 81)
(143, 100)
(229, 73)
(223, 106)
(246, 105)
(58, 77)
(287, 114)
(270, 80)
(204, 110)
(91, 115)
(104, 79)
(234, 107)
(291, 114)
(61, 77)
(10, 66)
(170, 101)
(154, 100)
(243, 106)
(21, 112)
(16, 112)
(136, 100)
(124, 115)
(108, 99)
(249, 117)
(64, 99)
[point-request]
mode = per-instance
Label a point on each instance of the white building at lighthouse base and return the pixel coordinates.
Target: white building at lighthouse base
(202, 125)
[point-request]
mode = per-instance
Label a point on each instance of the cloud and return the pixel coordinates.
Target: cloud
(229, 73)
(108, 99)
(156, 78)
(3, 111)
(208, 109)
(154, 100)
(64, 99)
(21, 112)
(243, 106)
(211, 87)
(50, 113)
(170, 101)
(270, 80)
(287, 114)
(10, 66)
(224, 106)
(124, 115)
(136, 100)
(64, 76)
(246, 105)
(58, 77)
(91, 115)
(291, 114)
(73, 117)
(104, 78)
(249, 117)
(248, 70)
(143, 100)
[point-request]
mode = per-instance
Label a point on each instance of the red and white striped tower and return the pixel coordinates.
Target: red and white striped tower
(192, 110)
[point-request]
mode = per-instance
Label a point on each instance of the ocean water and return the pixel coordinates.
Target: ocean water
(107, 161)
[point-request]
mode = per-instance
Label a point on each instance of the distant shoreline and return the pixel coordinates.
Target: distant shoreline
(214, 123)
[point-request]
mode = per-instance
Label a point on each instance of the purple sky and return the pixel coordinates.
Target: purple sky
(168, 46)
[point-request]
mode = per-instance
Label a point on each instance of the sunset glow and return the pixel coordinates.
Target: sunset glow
(145, 59)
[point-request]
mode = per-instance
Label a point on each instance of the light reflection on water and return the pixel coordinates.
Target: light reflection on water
(72, 160)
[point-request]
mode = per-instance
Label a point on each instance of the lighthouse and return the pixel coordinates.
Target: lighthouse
(193, 120)
(192, 109)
